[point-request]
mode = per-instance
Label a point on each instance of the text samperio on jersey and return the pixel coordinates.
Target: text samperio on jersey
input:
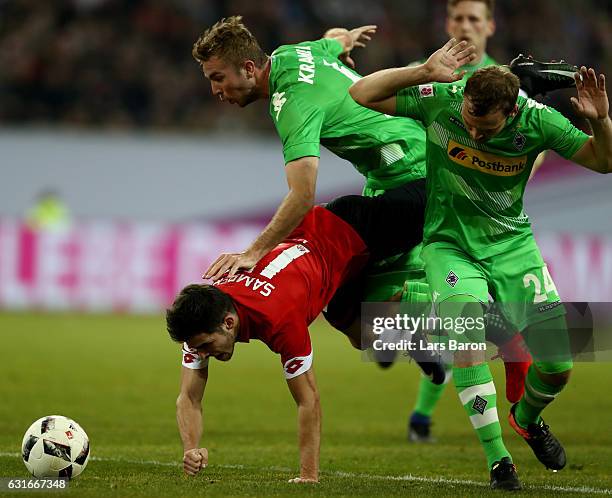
(265, 288)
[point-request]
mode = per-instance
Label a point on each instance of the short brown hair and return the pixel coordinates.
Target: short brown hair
(492, 88)
(490, 4)
(230, 40)
(198, 308)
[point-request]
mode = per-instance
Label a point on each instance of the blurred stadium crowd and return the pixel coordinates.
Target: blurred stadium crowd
(127, 64)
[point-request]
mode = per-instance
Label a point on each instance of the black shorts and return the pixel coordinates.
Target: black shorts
(389, 224)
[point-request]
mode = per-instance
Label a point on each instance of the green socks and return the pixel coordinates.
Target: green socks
(537, 396)
(477, 394)
(428, 396)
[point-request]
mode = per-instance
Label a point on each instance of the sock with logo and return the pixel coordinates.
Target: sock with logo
(477, 394)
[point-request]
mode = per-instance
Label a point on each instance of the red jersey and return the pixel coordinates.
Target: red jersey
(290, 286)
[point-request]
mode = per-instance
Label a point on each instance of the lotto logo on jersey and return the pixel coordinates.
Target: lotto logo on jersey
(293, 366)
(488, 163)
(189, 358)
(297, 366)
(426, 90)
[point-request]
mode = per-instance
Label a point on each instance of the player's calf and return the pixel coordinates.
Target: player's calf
(512, 350)
(543, 384)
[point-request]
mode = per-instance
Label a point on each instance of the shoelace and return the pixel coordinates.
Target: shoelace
(545, 437)
(508, 470)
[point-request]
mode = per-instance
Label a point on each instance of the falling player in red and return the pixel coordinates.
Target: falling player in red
(275, 302)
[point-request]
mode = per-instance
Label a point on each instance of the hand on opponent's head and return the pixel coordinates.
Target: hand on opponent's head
(231, 263)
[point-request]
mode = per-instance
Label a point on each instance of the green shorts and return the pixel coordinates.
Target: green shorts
(382, 284)
(518, 280)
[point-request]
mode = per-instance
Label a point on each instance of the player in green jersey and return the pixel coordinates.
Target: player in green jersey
(307, 85)
(471, 21)
(482, 142)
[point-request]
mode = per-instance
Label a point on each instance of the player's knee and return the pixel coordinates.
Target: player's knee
(463, 318)
(460, 305)
(341, 320)
(554, 373)
(350, 325)
(465, 359)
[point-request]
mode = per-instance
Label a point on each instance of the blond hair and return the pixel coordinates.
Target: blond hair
(230, 40)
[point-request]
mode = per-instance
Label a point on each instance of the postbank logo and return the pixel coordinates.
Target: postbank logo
(485, 162)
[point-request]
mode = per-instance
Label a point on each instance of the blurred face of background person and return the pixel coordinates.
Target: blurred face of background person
(470, 21)
(231, 83)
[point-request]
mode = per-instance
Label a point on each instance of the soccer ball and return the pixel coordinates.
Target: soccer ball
(55, 446)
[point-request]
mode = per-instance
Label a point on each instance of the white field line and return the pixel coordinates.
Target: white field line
(351, 475)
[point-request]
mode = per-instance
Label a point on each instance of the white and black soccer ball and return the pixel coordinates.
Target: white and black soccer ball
(55, 446)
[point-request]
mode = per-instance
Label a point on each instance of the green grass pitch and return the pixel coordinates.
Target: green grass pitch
(118, 377)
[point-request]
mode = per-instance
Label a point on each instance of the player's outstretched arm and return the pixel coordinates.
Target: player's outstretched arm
(189, 419)
(302, 181)
(349, 39)
(304, 391)
(592, 103)
(378, 90)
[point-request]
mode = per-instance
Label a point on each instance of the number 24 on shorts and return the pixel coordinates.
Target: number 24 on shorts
(549, 285)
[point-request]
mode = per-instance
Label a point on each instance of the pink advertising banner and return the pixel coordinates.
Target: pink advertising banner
(139, 267)
(109, 266)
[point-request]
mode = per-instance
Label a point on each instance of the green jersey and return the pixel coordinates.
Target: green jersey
(470, 69)
(310, 105)
(475, 189)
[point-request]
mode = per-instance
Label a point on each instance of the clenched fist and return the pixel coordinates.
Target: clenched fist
(195, 460)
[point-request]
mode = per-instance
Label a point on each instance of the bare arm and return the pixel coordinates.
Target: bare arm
(588, 155)
(302, 181)
(378, 90)
(304, 391)
(189, 418)
(592, 103)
